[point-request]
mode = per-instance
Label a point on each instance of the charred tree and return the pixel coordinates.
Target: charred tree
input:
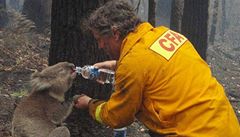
(176, 15)
(15, 4)
(39, 11)
(195, 24)
(3, 4)
(213, 27)
(71, 42)
(3, 14)
(224, 19)
(152, 12)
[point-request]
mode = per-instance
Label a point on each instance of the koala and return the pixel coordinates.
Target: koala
(43, 111)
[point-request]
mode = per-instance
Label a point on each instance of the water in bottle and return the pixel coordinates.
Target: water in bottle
(87, 72)
(106, 76)
(93, 73)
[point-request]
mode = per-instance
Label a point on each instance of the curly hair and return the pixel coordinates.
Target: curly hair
(115, 13)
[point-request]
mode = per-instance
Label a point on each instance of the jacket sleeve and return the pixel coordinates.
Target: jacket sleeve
(124, 103)
(94, 108)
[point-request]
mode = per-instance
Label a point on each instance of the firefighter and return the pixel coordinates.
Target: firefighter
(160, 79)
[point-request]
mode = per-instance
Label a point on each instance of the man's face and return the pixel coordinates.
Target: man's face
(111, 44)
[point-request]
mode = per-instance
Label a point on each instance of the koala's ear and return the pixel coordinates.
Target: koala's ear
(38, 82)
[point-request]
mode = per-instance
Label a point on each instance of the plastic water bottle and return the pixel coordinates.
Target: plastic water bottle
(93, 73)
(120, 132)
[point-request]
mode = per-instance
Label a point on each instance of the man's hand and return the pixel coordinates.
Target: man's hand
(81, 101)
(111, 64)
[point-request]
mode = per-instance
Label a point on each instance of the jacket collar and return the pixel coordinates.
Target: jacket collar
(133, 37)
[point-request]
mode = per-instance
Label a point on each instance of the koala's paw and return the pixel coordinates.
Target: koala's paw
(60, 132)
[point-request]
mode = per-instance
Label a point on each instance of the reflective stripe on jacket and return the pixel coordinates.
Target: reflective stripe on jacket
(169, 92)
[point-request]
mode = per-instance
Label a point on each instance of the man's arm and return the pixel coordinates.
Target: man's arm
(124, 102)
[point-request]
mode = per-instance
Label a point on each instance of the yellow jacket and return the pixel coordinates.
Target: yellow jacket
(163, 82)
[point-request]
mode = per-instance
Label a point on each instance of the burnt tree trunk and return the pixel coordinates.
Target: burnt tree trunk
(152, 12)
(3, 4)
(70, 42)
(39, 11)
(224, 19)
(194, 24)
(15, 4)
(176, 15)
(213, 27)
(3, 14)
